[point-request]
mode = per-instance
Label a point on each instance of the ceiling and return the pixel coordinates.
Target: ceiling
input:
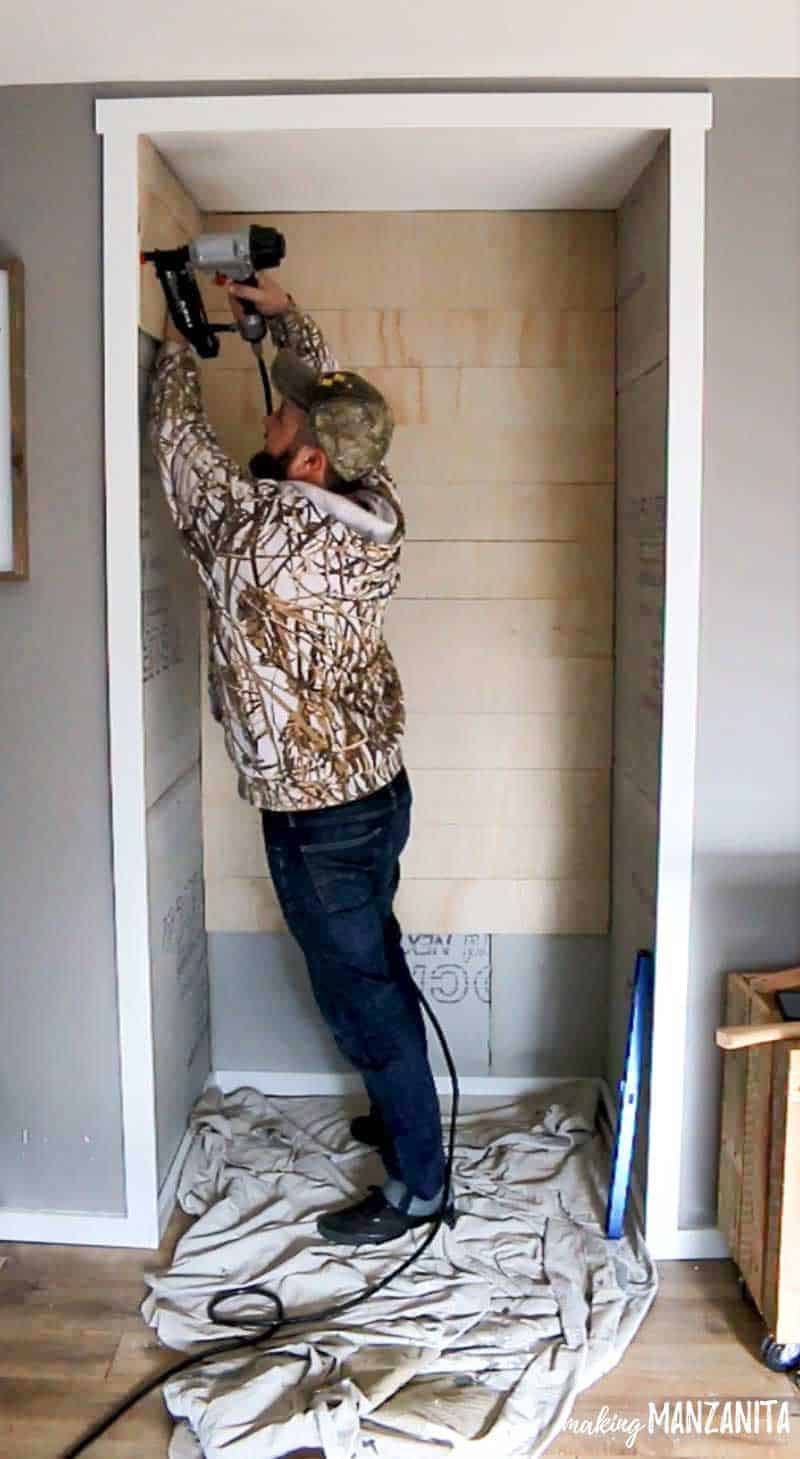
(408, 170)
(266, 41)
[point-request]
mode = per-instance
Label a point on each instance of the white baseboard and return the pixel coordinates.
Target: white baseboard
(688, 1243)
(469, 1084)
(74, 1228)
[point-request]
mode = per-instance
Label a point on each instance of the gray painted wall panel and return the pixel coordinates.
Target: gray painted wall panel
(746, 897)
(530, 1005)
(60, 1126)
(549, 998)
(178, 961)
(264, 1017)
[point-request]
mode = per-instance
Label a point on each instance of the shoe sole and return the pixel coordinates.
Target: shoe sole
(365, 1240)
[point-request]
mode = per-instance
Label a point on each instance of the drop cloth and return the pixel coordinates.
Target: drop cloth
(478, 1350)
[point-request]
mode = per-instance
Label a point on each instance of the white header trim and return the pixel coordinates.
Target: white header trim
(658, 110)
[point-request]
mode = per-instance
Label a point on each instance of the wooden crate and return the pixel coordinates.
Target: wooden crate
(759, 1161)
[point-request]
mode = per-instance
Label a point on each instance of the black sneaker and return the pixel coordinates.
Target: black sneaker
(368, 1130)
(372, 1221)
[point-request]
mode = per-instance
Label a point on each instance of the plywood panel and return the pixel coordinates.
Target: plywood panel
(477, 400)
(167, 218)
(364, 338)
(249, 905)
(489, 397)
(416, 261)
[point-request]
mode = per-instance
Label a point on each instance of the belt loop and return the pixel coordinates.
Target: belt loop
(291, 818)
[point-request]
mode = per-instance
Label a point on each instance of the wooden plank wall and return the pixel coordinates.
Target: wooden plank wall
(168, 217)
(642, 276)
(493, 337)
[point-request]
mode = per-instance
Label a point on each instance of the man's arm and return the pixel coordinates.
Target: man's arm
(201, 482)
(289, 328)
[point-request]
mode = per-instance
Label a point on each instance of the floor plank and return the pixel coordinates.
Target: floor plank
(72, 1342)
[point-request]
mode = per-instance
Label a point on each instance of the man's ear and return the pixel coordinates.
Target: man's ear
(314, 465)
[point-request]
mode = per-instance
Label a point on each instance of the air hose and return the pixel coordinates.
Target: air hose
(266, 1328)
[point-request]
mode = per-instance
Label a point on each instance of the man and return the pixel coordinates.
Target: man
(300, 557)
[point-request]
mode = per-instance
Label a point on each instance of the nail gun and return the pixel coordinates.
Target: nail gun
(228, 256)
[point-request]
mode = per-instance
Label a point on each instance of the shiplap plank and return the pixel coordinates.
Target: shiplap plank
(507, 741)
(502, 658)
(480, 798)
(573, 846)
(508, 511)
(521, 261)
(576, 575)
(468, 338)
(471, 742)
(475, 398)
(425, 454)
(245, 904)
(512, 682)
(526, 453)
(460, 635)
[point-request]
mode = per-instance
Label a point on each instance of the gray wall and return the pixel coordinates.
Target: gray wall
(59, 1074)
(503, 1003)
(60, 1132)
(746, 904)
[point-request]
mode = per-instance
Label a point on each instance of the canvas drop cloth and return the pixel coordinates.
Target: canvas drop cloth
(478, 1350)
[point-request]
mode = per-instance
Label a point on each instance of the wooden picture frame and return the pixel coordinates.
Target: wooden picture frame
(13, 466)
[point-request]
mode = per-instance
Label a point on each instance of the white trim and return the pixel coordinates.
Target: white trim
(74, 1228)
(640, 110)
(689, 1243)
(264, 1082)
(125, 696)
(685, 116)
(679, 721)
(169, 1190)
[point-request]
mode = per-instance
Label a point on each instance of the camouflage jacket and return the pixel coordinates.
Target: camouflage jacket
(298, 580)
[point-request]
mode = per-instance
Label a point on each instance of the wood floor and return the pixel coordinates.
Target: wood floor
(72, 1343)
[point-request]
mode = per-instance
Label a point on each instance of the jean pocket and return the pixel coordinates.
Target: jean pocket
(345, 872)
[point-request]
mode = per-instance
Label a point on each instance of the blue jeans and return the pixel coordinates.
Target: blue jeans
(336, 872)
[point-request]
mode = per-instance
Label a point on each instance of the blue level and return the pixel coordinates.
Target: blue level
(628, 1093)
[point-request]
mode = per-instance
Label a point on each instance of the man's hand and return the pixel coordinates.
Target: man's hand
(269, 298)
(171, 331)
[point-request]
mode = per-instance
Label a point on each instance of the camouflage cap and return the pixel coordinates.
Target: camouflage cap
(350, 418)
